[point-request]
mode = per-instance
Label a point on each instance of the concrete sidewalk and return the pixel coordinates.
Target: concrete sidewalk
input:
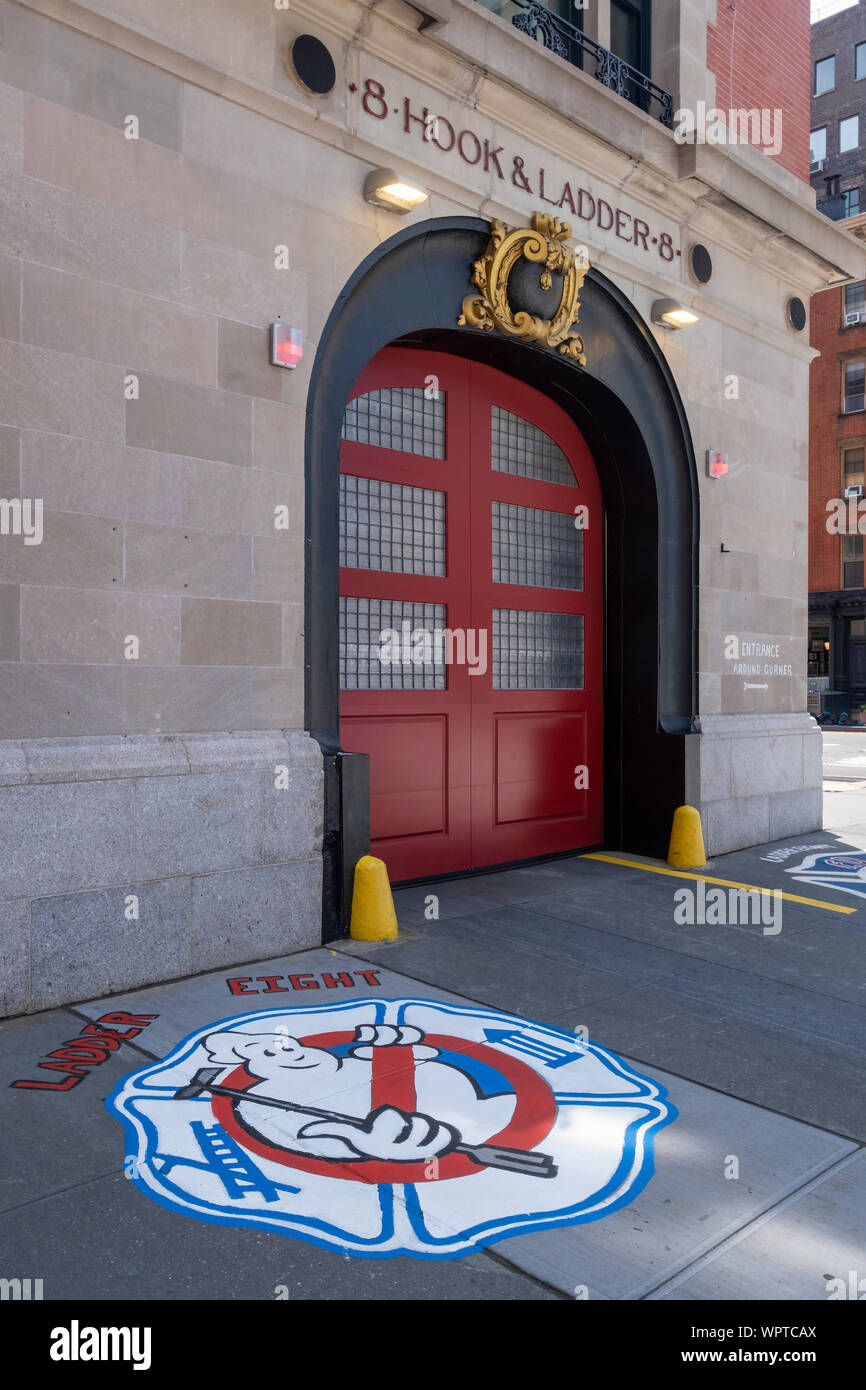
(756, 1035)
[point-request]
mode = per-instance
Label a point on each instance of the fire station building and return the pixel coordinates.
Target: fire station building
(404, 446)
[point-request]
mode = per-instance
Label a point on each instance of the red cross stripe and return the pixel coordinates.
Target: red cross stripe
(393, 1083)
(393, 1080)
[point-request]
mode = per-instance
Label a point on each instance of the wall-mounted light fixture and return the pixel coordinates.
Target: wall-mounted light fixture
(669, 313)
(385, 188)
(287, 345)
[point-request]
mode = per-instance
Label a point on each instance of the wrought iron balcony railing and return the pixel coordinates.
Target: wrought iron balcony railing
(567, 41)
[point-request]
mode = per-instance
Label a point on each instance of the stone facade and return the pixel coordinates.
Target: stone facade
(141, 262)
(127, 860)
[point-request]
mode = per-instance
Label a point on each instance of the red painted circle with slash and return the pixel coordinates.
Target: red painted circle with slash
(393, 1083)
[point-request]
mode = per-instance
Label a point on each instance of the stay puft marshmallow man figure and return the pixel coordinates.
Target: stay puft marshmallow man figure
(289, 1070)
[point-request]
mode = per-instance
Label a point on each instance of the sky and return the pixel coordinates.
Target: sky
(822, 9)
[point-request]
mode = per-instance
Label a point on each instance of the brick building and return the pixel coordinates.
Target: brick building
(838, 130)
(755, 53)
(199, 729)
(837, 428)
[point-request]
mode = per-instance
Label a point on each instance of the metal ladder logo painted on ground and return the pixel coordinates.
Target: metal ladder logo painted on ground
(223, 1156)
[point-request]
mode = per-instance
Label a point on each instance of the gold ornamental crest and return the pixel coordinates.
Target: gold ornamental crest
(543, 243)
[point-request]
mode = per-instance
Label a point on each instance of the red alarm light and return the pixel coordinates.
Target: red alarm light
(287, 345)
(717, 464)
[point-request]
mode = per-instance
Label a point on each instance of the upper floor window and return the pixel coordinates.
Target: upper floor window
(818, 145)
(854, 397)
(851, 202)
(625, 67)
(849, 133)
(825, 75)
(630, 32)
(855, 298)
(573, 14)
(852, 467)
(860, 60)
(852, 563)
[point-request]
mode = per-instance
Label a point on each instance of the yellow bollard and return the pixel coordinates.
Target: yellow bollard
(373, 916)
(686, 849)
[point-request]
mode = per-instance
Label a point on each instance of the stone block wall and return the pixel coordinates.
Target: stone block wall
(756, 778)
(140, 839)
(128, 860)
(137, 282)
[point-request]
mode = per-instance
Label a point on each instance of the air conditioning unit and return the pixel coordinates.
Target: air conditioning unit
(854, 491)
(816, 166)
(855, 316)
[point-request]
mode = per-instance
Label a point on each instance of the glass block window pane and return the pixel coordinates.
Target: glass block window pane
(526, 451)
(377, 652)
(388, 526)
(398, 417)
(537, 651)
(535, 547)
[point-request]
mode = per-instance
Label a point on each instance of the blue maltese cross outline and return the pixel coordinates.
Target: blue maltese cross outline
(845, 871)
(390, 1127)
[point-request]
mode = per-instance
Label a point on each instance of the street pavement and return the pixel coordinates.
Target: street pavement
(844, 754)
(752, 1030)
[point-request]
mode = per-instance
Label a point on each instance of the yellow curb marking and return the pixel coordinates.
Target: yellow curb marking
(725, 882)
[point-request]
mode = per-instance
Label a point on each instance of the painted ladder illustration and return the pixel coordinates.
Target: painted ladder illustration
(224, 1157)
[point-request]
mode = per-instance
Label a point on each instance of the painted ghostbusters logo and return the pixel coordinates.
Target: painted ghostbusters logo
(842, 871)
(389, 1127)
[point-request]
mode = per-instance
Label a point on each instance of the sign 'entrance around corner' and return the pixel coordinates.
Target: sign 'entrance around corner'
(389, 1127)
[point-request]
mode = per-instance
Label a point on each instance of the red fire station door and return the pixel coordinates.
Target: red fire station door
(470, 615)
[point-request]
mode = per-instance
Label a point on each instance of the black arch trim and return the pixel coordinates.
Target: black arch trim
(627, 404)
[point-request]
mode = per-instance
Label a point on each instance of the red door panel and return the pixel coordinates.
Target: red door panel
(527, 742)
(408, 772)
(459, 517)
(530, 750)
(418, 739)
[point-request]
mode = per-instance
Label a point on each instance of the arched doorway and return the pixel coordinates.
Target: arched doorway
(627, 408)
(471, 615)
